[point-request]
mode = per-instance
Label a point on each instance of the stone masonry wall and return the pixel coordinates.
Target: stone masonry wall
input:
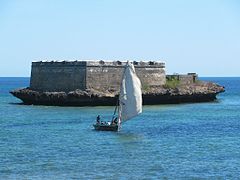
(99, 75)
(58, 76)
(107, 75)
(184, 78)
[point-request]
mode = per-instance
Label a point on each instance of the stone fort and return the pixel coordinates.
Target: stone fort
(65, 76)
(98, 75)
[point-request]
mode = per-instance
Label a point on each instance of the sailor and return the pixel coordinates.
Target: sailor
(112, 122)
(98, 119)
(115, 120)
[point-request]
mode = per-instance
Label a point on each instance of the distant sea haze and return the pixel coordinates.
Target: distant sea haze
(183, 141)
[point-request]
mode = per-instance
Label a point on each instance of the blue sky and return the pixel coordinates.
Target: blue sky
(200, 36)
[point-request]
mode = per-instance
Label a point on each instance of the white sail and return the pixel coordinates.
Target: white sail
(130, 98)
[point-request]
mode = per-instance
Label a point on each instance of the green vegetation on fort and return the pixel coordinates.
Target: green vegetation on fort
(171, 82)
(145, 87)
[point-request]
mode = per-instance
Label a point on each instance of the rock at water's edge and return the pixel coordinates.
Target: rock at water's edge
(197, 92)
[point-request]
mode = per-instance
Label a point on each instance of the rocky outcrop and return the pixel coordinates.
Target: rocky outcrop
(195, 92)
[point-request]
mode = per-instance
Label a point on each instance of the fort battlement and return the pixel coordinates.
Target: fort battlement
(56, 76)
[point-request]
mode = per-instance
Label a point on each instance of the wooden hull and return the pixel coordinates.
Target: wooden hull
(105, 127)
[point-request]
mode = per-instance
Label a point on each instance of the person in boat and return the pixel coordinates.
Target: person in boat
(98, 119)
(114, 121)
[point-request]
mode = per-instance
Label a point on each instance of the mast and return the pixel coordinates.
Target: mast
(115, 110)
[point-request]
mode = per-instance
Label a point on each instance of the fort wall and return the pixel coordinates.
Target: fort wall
(184, 79)
(58, 76)
(99, 75)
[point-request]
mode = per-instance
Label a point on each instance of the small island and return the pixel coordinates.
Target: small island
(96, 83)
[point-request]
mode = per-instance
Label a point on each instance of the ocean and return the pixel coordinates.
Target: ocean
(182, 141)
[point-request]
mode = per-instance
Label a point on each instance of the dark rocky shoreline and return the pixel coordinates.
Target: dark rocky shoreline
(195, 92)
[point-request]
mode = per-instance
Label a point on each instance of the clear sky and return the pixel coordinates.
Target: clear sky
(200, 36)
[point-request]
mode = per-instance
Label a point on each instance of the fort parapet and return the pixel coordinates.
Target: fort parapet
(98, 75)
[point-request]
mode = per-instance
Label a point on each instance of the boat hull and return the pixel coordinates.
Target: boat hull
(105, 127)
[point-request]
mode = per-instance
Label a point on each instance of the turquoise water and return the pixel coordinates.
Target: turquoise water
(184, 141)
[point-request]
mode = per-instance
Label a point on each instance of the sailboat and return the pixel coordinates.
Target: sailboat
(129, 102)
